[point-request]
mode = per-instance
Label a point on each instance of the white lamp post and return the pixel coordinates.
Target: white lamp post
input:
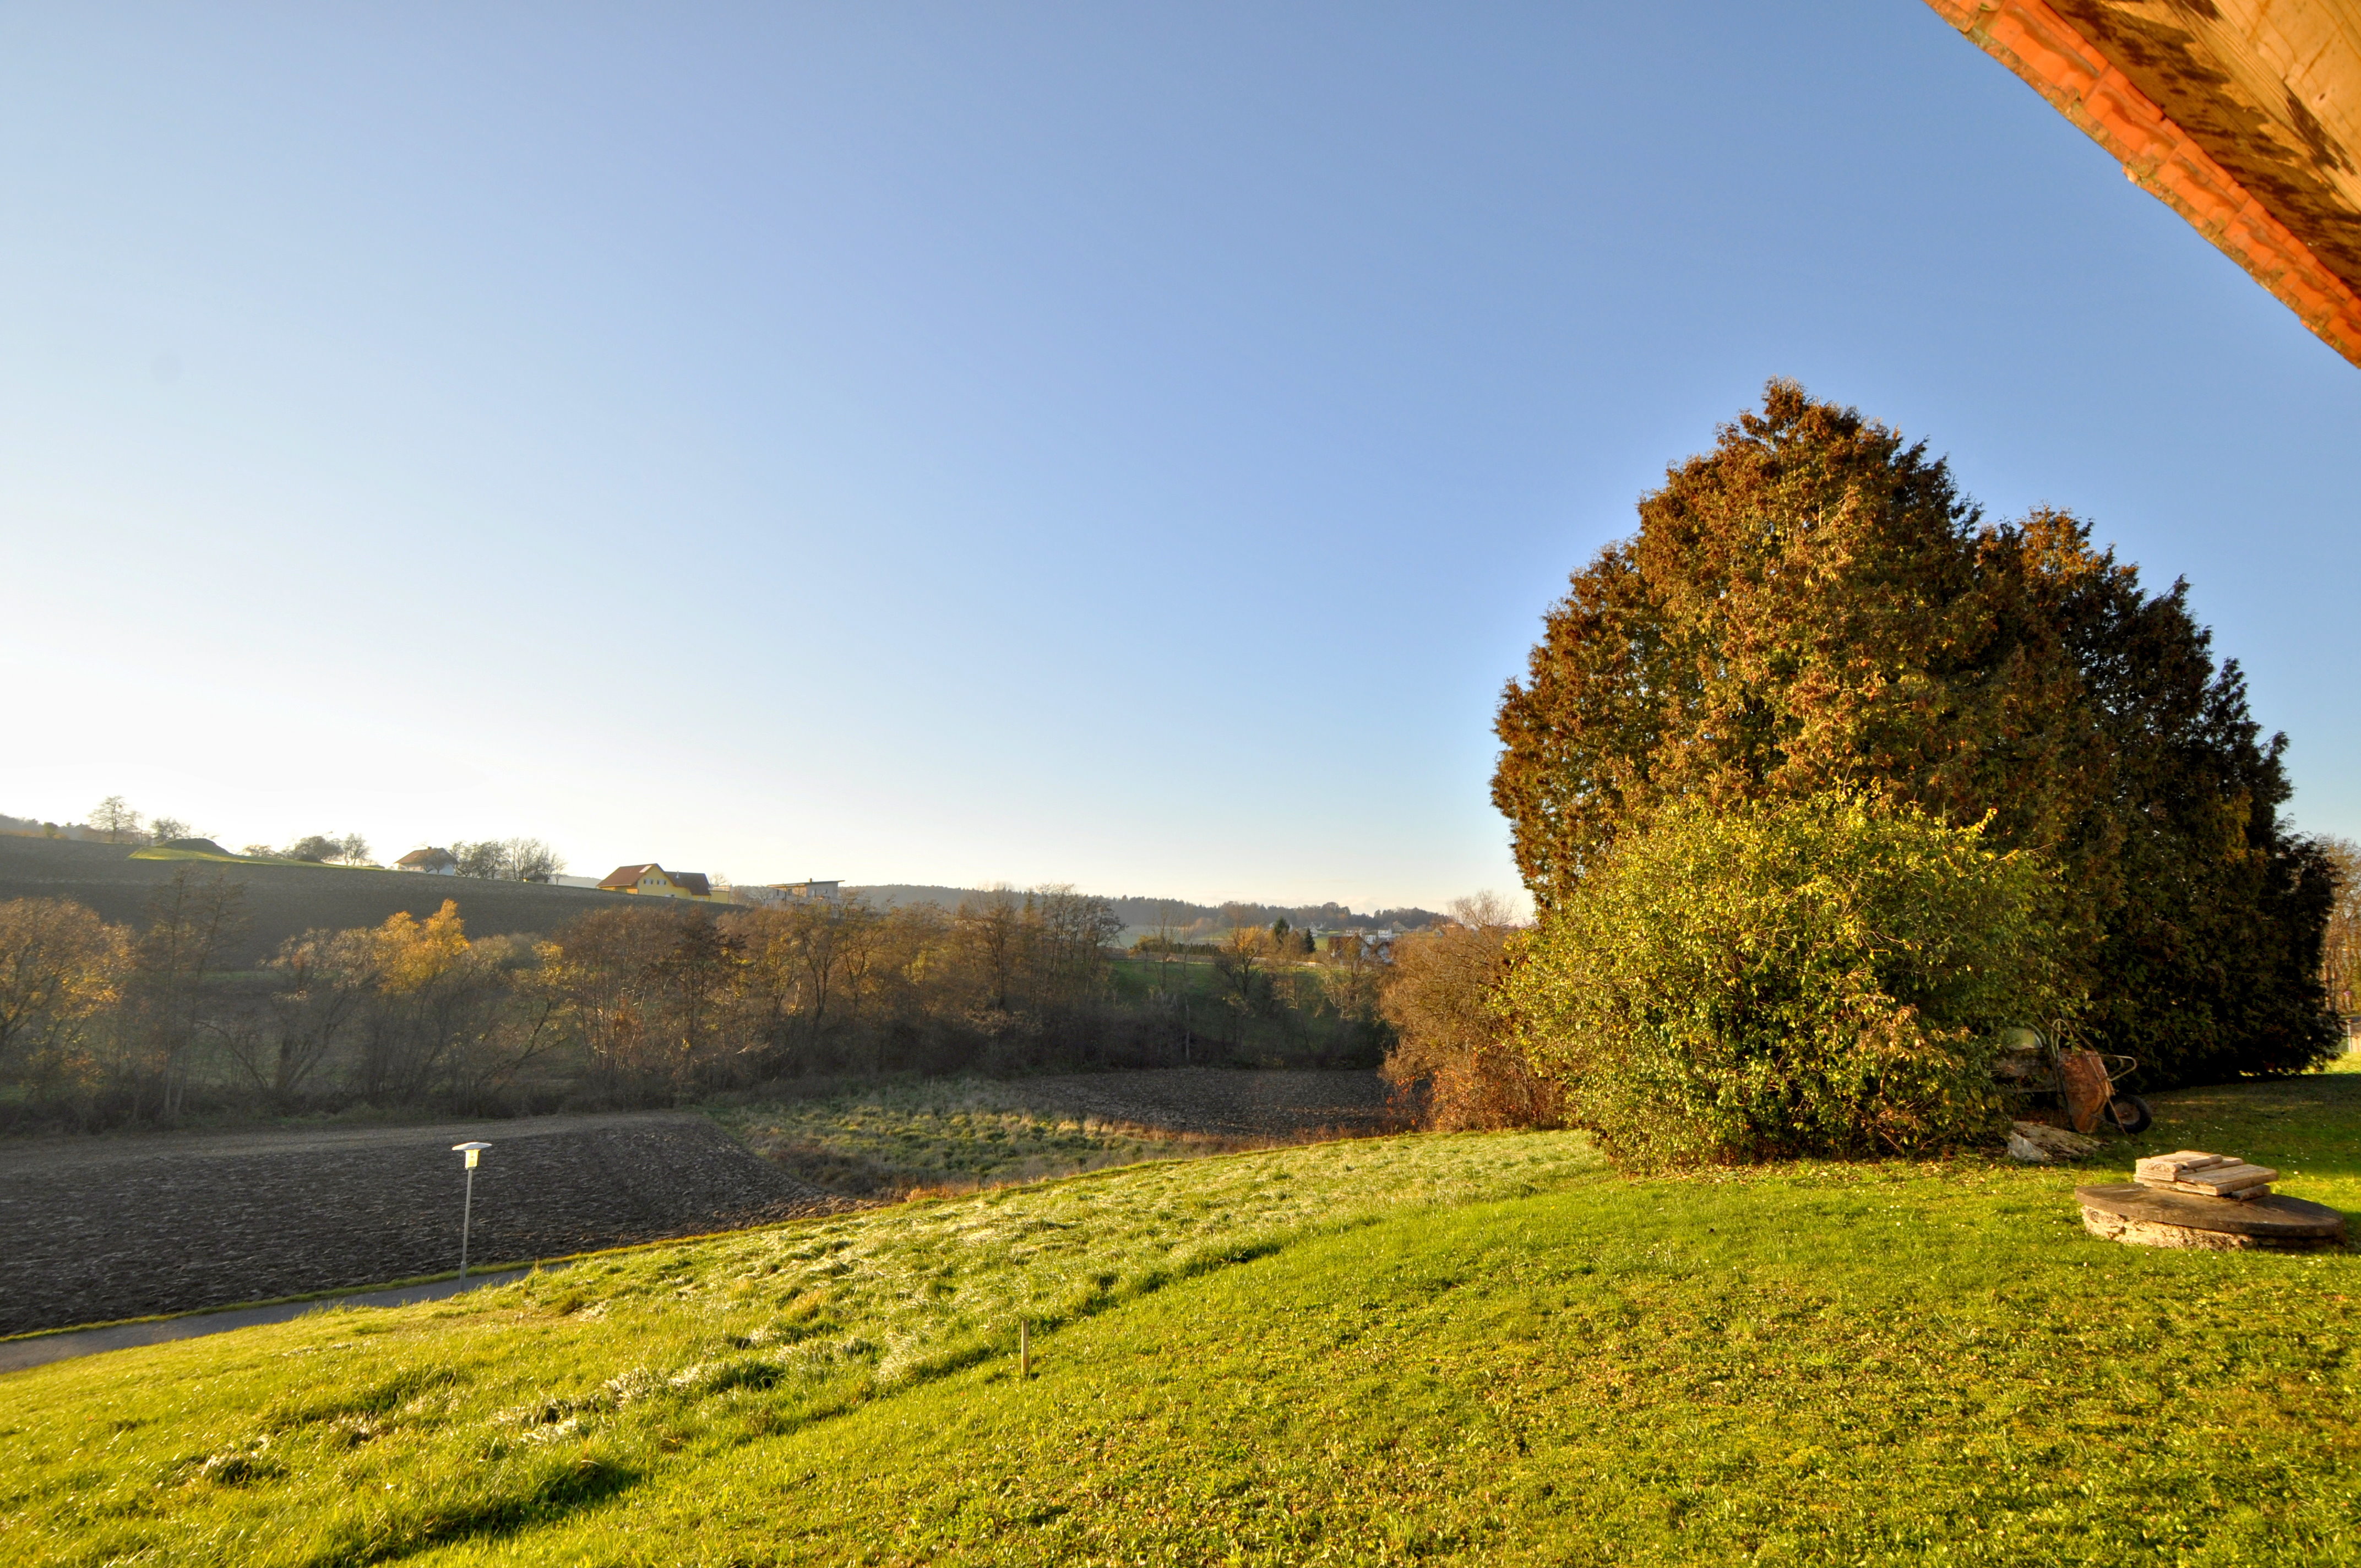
(468, 1211)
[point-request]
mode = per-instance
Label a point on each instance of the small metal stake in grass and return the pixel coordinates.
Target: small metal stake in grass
(1024, 1352)
(467, 1206)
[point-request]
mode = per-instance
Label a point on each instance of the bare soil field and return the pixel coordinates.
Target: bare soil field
(284, 901)
(92, 1230)
(97, 1229)
(895, 1138)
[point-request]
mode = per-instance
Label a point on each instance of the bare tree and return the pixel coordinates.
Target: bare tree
(990, 928)
(811, 965)
(530, 859)
(164, 829)
(325, 979)
(508, 860)
(2339, 959)
(191, 922)
(1071, 936)
(527, 1024)
(114, 820)
(654, 993)
(487, 859)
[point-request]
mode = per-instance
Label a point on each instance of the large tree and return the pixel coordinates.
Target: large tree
(1813, 604)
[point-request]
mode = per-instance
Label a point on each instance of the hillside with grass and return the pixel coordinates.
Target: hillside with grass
(282, 898)
(1482, 1348)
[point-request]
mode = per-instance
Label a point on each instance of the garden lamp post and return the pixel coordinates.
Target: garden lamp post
(468, 1208)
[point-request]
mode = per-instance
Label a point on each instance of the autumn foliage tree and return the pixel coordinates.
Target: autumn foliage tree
(1454, 1046)
(61, 973)
(1814, 607)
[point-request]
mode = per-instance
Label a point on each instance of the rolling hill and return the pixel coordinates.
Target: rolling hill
(282, 900)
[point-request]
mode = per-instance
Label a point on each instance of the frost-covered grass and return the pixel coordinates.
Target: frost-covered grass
(363, 1435)
(902, 1135)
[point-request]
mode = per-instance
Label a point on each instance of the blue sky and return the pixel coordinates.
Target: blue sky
(1126, 445)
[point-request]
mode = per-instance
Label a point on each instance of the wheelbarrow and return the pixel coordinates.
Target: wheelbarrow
(2087, 1084)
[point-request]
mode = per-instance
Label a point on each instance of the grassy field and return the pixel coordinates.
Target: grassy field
(899, 1136)
(282, 898)
(160, 852)
(1486, 1348)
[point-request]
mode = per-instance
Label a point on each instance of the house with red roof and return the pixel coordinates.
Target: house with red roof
(652, 880)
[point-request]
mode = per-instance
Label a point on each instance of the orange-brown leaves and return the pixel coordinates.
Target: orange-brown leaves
(1812, 606)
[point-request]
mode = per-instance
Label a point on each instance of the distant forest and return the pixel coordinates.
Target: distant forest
(172, 1013)
(1140, 913)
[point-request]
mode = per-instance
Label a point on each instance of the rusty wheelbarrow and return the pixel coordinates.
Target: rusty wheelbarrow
(2087, 1084)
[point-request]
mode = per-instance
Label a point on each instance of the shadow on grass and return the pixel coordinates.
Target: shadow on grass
(558, 1493)
(2295, 1123)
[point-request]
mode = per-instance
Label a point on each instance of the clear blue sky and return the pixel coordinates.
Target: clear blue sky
(1121, 445)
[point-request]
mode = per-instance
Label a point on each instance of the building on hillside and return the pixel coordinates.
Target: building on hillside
(1378, 945)
(558, 879)
(800, 891)
(652, 880)
(779, 895)
(434, 863)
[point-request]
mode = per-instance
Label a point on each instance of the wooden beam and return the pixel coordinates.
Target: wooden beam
(2216, 68)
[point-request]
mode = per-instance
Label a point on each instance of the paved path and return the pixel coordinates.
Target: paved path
(41, 1349)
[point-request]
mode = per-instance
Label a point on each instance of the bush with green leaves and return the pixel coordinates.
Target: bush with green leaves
(1819, 977)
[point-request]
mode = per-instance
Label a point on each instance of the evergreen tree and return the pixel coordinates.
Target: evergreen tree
(1813, 606)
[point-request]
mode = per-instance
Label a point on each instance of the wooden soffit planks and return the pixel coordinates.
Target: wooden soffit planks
(2243, 115)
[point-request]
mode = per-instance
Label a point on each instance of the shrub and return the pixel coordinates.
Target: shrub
(1454, 1052)
(1813, 977)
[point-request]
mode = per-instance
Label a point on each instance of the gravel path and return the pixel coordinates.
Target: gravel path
(40, 1350)
(97, 1229)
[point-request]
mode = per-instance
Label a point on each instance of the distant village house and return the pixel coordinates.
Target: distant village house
(652, 880)
(801, 890)
(779, 895)
(436, 863)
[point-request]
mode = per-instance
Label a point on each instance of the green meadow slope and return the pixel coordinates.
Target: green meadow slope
(1487, 1348)
(281, 898)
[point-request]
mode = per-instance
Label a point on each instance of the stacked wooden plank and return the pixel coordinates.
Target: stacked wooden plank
(2205, 1175)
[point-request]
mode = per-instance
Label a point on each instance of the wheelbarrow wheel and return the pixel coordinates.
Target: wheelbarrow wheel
(2130, 1114)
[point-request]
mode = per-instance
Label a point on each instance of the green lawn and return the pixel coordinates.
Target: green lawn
(159, 853)
(1480, 1347)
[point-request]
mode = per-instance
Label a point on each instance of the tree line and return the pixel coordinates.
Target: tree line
(642, 1003)
(116, 821)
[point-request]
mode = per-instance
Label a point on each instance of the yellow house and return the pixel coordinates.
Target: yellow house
(655, 881)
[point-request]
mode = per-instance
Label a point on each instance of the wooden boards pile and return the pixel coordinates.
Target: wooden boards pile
(2205, 1175)
(2215, 1202)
